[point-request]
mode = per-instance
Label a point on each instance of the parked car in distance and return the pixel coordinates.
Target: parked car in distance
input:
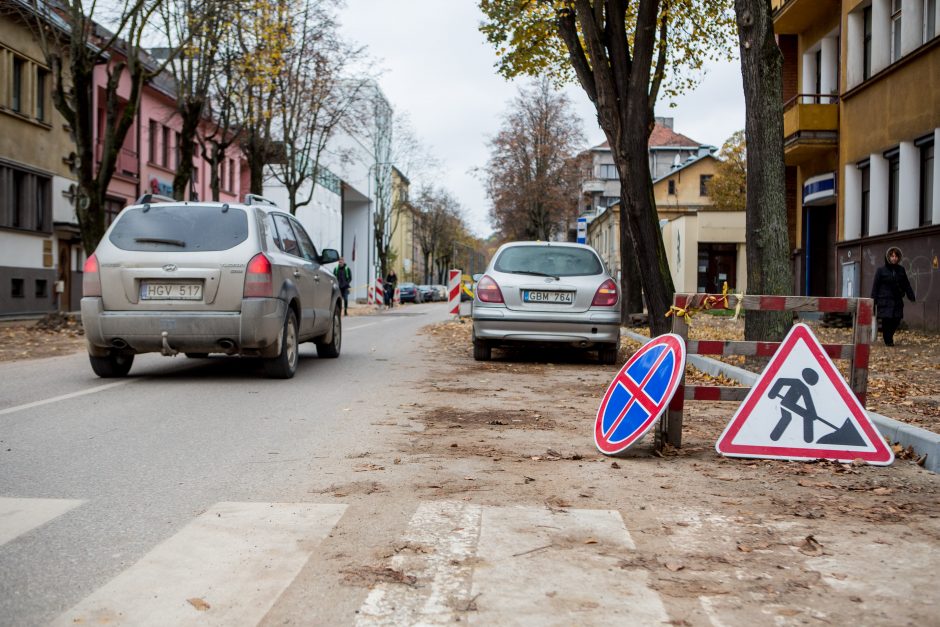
(207, 277)
(428, 294)
(441, 291)
(409, 293)
(546, 293)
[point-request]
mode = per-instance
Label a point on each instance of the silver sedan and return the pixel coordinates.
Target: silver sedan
(553, 293)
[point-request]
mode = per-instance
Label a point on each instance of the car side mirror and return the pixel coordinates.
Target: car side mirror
(477, 277)
(329, 255)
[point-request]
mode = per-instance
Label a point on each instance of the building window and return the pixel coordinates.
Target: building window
(42, 290)
(25, 200)
(165, 148)
(895, 30)
(894, 191)
(866, 196)
(672, 187)
(178, 149)
(926, 184)
(608, 172)
(41, 83)
(703, 181)
(17, 88)
(112, 207)
(930, 19)
(154, 136)
(866, 52)
(222, 173)
(17, 289)
(231, 175)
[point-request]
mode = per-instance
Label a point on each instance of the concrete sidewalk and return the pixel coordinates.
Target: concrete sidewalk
(922, 441)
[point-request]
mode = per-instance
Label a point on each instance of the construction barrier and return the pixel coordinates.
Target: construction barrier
(453, 290)
(379, 292)
(669, 430)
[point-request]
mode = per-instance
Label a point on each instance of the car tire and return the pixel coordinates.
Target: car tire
(331, 348)
(115, 364)
(607, 354)
(482, 351)
(197, 355)
(285, 364)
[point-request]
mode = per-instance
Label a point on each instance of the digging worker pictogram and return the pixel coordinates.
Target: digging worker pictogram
(798, 400)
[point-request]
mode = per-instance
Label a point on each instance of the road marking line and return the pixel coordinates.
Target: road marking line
(237, 558)
(17, 516)
(65, 397)
(506, 565)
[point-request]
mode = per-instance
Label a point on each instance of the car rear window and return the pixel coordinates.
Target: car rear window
(548, 260)
(180, 228)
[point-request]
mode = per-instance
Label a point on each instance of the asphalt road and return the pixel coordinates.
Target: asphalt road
(127, 464)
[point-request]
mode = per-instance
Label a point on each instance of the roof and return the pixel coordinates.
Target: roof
(682, 166)
(662, 137)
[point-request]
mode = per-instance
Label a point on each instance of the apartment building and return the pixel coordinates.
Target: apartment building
(861, 120)
(705, 247)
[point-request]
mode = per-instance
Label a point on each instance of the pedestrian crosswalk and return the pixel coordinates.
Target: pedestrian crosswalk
(486, 564)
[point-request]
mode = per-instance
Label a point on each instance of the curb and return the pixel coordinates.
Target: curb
(922, 441)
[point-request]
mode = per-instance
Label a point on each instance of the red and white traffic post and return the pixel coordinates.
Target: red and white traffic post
(453, 290)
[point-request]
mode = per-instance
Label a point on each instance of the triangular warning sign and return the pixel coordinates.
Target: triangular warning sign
(802, 408)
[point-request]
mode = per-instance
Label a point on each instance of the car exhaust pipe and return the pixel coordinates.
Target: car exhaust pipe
(118, 343)
(167, 351)
(227, 345)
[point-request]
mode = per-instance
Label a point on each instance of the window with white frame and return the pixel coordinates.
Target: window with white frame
(866, 43)
(894, 187)
(607, 172)
(926, 182)
(895, 30)
(930, 19)
(865, 169)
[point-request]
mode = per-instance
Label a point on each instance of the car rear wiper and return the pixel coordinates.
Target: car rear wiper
(160, 240)
(534, 273)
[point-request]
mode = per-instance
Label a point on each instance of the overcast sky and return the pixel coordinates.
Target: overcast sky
(437, 67)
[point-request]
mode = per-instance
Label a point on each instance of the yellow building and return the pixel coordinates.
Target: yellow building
(705, 247)
(38, 258)
(862, 111)
(403, 243)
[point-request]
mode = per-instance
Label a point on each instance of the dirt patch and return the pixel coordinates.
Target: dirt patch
(53, 335)
(746, 539)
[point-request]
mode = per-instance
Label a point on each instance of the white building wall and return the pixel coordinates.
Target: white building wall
(21, 250)
(878, 196)
(909, 187)
(855, 62)
(880, 35)
(852, 193)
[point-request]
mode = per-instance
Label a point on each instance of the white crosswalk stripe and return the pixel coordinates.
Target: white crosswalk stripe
(17, 516)
(227, 567)
(514, 566)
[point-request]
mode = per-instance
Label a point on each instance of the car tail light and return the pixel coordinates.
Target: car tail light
(606, 295)
(259, 281)
(488, 291)
(91, 278)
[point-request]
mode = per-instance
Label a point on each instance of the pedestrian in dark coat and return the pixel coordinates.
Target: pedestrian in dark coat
(344, 278)
(887, 290)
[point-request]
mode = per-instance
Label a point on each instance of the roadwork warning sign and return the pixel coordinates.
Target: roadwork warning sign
(801, 408)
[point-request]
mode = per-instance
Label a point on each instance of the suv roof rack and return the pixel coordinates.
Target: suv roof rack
(255, 199)
(149, 198)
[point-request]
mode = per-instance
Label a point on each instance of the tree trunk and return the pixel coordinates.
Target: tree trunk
(191, 114)
(768, 265)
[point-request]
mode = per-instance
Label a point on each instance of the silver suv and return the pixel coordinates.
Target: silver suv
(204, 277)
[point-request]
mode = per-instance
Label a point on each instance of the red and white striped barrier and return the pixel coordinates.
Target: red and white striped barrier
(379, 292)
(396, 298)
(453, 289)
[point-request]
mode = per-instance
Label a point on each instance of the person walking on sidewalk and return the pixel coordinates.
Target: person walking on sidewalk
(887, 290)
(344, 277)
(391, 280)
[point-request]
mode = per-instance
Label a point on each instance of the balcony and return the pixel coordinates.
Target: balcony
(792, 17)
(810, 126)
(127, 162)
(591, 186)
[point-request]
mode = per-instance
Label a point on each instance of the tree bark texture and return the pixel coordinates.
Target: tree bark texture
(623, 86)
(768, 265)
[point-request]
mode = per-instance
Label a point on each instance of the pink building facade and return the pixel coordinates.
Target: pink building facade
(150, 155)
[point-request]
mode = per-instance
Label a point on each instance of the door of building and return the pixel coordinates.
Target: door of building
(819, 249)
(717, 263)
